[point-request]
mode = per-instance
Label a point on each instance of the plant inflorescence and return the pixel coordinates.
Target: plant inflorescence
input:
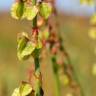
(31, 46)
(44, 34)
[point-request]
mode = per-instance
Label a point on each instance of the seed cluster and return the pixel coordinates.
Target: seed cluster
(44, 35)
(38, 12)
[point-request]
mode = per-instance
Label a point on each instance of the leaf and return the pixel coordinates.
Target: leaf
(22, 41)
(16, 92)
(31, 12)
(45, 10)
(17, 10)
(27, 51)
(20, 10)
(25, 89)
(25, 47)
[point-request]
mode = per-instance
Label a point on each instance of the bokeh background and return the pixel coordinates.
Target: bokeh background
(74, 27)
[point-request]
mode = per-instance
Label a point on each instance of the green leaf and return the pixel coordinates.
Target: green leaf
(16, 92)
(22, 41)
(20, 10)
(25, 89)
(25, 47)
(17, 10)
(45, 10)
(31, 12)
(27, 51)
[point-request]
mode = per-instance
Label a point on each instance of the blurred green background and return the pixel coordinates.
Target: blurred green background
(78, 44)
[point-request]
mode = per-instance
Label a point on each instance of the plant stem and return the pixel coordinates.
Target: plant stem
(34, 23)
(38, 86)
(66, 54)
(55, 70)
(37, 65)
(70, 65)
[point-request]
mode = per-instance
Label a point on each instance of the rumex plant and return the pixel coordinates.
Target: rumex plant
(63, 70)
(31, 46)
(44, 34)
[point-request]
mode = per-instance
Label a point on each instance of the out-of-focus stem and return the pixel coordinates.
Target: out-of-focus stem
(64, 51)
(69, 65)
(55, 71)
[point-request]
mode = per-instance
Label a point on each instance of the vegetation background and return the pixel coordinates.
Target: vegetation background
(79, 45)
